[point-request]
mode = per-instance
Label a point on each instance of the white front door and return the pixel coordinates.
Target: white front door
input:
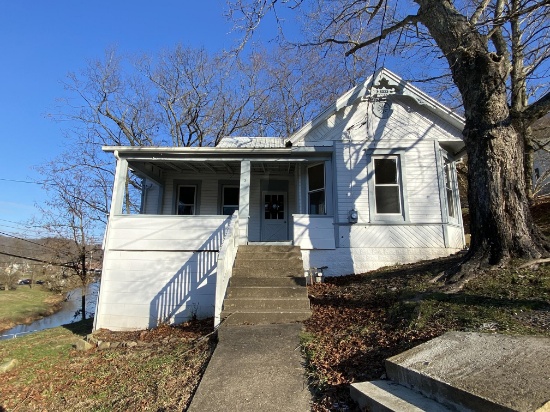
(274, 217)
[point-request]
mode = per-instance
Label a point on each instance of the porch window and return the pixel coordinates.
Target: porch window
(316, 189)
(449, 190)
(387, 191)
(187, 200)
(230, 199)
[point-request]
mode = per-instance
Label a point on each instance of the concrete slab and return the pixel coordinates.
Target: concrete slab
(255, 368)
(507, 372)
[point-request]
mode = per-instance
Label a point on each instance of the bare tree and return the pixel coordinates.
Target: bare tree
(69, 216)
(473, 42)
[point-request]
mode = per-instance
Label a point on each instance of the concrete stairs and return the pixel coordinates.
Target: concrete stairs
(464, 372)
(267, 286)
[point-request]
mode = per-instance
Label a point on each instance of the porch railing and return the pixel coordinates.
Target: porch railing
(226, 258)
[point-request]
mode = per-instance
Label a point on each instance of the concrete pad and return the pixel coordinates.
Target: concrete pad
(509, 373)
(255, 368)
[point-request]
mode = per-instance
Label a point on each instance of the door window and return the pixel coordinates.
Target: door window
(274, 207)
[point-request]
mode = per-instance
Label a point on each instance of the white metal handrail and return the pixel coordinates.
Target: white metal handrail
(226, 258)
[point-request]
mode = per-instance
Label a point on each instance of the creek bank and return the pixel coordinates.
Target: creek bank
(55, 302)
(69, 310)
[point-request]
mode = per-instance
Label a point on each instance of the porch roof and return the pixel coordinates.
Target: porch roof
(219, 160)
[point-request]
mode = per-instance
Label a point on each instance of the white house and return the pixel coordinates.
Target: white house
(370, 182)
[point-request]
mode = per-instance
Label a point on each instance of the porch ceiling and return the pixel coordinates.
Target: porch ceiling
(207, 167)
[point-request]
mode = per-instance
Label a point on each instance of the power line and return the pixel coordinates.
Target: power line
(26, 181)
(26, 240)
(34, 259)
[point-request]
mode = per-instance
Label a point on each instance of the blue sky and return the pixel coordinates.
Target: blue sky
(41, 41)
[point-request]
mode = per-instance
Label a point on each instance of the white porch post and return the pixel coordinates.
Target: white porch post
(244, 202)
(119, 186)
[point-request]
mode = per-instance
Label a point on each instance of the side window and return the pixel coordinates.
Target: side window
(387, 185)
(316, 189)
(187, 200)
(230, 199)
(449, 187)
(449, 190)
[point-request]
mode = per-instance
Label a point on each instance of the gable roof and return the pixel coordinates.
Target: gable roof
(370, 89)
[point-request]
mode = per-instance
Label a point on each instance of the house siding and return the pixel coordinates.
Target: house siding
(158, 269)
(422, 233)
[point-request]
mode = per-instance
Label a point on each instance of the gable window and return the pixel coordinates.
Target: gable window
(230, 199)
(387, 190)
(316, 189)
(449, 188)
(187, 200)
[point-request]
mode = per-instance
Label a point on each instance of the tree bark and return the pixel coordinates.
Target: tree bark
(501, 224)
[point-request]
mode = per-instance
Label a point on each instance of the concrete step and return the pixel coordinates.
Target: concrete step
(387, 396)
(264, 317)
(269, 304)
(288, 281)
(262, 292)
(246, 256)
(263, 249)
(477, 371)
(261, 264)
(267, 273)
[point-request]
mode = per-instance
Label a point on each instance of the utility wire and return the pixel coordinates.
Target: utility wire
(35, 260)
(26, 240)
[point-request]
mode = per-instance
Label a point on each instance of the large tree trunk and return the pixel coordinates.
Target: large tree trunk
(501, 223)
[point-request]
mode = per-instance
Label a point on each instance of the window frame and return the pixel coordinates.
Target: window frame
(183, 183)
(399, 155)
(222, 197)
(448, 160)
(323, 189)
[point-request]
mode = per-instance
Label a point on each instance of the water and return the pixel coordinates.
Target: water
(69, 309)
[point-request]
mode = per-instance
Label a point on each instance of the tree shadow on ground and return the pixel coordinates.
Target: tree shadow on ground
(81, 328)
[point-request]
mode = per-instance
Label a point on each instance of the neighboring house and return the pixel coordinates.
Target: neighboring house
(368, 183)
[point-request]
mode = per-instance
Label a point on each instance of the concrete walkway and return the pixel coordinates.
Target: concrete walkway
(255, 368)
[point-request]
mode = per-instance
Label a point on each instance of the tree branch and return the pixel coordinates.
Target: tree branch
(411, 19)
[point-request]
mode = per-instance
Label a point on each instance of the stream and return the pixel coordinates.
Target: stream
(66, 315)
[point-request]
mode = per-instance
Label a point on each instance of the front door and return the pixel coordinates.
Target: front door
(274, 217)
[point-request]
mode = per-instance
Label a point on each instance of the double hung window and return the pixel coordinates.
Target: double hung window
(316, 189)
(187, 200)
(387, 189)
(387, 185)
(449, 188)
(230, 199)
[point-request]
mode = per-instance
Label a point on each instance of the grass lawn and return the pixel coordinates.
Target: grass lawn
(26, 304)
(160, 374)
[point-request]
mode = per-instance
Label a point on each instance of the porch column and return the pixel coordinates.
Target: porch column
(244, 202)
(119, 186)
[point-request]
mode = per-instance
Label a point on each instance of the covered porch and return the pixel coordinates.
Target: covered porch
(178, 216)
(270, 189)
